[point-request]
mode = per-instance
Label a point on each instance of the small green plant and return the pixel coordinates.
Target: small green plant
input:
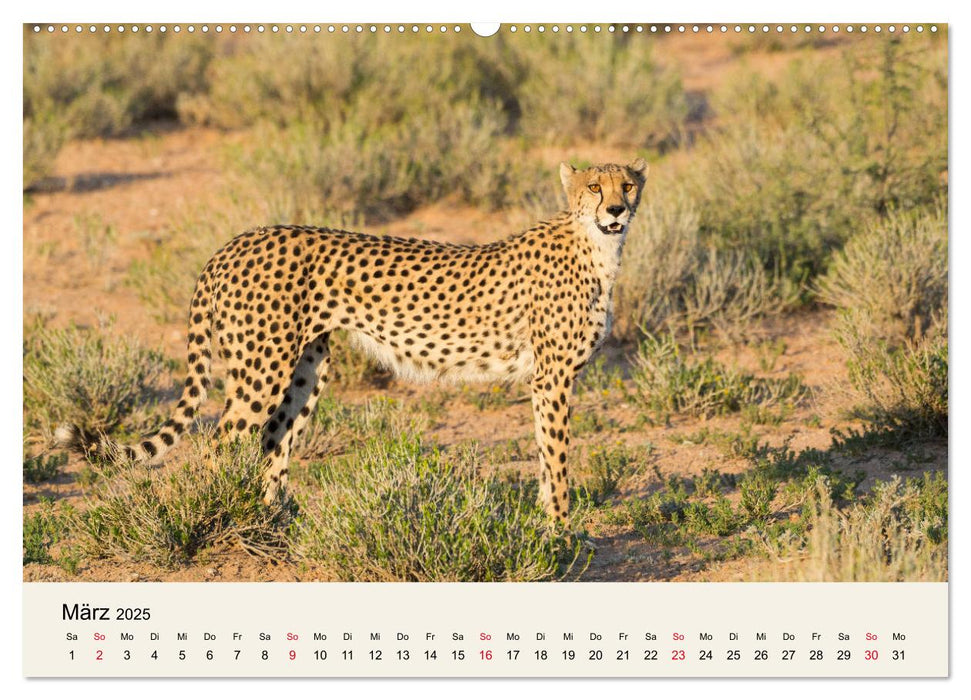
(43, 529)
(598, 380)
(97, 237)
(769, 353)
(666, 383)
(897, 533)
(87, 377)
(608, 468)
(588, 421)
(496, 396)
(711, 482)
(43, 467)
(168, 517)
(757, 492)
(718, 518)
(400, 511)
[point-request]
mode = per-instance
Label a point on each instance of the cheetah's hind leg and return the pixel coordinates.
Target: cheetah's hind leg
(288, 421)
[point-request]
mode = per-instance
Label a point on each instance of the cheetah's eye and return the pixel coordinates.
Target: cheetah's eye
(628, 187)
(595, 188)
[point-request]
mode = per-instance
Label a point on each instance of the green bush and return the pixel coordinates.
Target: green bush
(890, 285)
(893, 275)
(901, 387)
(398, 511)
(350, 168)
(598, 89)
(43, 467)
(100, 85)
(43, 137)
(88, 377)
(797, 165)
(43, 529)
(666, 383)
(897, 533)
(377, 81)
(168, 516)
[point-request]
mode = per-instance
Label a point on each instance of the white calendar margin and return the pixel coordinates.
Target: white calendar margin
(519, 11)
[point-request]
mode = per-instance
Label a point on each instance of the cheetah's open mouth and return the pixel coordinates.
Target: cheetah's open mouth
(615, 227)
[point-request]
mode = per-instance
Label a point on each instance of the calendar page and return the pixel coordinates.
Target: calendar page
(512, 350)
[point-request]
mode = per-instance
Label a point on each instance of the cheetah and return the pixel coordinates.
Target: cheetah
(534, 307)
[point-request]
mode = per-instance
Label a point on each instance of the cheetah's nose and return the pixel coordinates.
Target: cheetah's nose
(615, 210)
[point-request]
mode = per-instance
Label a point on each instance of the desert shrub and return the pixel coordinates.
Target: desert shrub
(900, 387)
(667, 382)
(757, 492)
(890, 284)
(167, 516)
(348, 167)
(731, 292)
(372, 81)
(671, 281)
(399, 511)
(796, 165)
(279, 78)
(772, 191)
(100, 85)
(603, 89)
(88, 377)
(660, 256)
(894, 274)
(43, 137)
(897, 533)
(375, 81)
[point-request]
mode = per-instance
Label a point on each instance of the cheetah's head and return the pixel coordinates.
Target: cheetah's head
(605, 195)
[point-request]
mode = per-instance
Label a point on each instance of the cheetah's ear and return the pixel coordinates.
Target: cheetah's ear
(640, 168)
(567, 172)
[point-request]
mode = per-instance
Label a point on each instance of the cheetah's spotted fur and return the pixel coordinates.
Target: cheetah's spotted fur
(533, 307)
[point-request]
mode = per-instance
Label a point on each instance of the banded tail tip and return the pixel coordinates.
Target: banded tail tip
(66, 436)
(71, 437)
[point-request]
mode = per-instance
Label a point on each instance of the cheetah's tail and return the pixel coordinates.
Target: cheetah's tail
(197, 383)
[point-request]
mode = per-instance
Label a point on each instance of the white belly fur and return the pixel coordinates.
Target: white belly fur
(517, 367)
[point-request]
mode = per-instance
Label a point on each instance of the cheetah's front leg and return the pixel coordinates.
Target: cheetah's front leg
(551, 412)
